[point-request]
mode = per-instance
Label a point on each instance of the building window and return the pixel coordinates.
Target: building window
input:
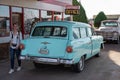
(17, 9)
(30, 16)
(46, 15)
(4, 21)
(57, 16)
(4, 11)
(67, 17)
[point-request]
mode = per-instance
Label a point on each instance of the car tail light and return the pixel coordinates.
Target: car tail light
(22, 46)
(69, 49)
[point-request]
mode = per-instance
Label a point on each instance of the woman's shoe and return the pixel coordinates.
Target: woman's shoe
(19, 68)
(11, 71)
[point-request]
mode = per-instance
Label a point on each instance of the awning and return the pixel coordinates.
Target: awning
(58, 2)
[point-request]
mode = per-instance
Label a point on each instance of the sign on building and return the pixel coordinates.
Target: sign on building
(72, 10)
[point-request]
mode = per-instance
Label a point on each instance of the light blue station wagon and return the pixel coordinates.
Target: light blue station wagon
(61, 42)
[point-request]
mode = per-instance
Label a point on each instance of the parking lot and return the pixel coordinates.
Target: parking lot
(106, 67)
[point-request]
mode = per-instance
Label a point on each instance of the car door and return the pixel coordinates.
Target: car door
(87, 41)
(95, 42)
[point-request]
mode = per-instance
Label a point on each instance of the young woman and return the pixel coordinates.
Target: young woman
(16, 37)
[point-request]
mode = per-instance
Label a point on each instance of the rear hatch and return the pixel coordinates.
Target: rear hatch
(47, 42)
(48, 47)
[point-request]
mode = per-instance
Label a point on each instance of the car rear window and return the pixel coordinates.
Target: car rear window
(56, 31)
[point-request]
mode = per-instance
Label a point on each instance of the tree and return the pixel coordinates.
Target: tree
(82, 16)
(100, 17)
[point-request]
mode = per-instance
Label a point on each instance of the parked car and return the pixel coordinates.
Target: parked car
(61, 42)
(110, 30)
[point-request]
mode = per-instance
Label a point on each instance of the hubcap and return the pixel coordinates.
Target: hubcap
(81, 64)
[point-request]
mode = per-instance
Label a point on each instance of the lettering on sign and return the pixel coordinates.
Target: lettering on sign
(72, 10)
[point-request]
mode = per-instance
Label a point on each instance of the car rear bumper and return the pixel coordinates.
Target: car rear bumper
(48, 60)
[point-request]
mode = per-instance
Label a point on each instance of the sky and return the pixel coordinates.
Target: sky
(93, 7)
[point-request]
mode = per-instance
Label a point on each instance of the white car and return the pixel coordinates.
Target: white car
(110, 30)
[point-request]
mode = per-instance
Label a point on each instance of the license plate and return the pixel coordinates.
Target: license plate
(43, 51)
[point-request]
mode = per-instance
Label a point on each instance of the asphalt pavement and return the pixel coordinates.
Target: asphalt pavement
(106, 67)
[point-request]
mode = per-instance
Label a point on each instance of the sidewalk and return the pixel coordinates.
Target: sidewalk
(4, 51)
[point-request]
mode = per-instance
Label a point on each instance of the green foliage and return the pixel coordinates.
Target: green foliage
(82, 16)
(100, 17)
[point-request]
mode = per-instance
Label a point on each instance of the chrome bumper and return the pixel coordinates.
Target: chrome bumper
(47, 60)
(108, 35)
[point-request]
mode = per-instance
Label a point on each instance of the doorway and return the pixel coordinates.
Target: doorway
(17, 18)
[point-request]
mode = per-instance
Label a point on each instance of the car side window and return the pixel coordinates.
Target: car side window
(89, 32)
(83, 32)
(76, 33)
(119, 24)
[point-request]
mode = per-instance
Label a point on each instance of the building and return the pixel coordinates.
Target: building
(110, 17)
(25, 12)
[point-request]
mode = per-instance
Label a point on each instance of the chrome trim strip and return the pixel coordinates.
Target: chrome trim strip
(47, 60)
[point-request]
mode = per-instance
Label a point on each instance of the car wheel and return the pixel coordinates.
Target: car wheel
(79, 66)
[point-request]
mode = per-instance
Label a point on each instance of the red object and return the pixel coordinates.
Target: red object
(22, 46)
(52, 15)
(10, 11)
(23, 31)
(69, 49)
(62, 16)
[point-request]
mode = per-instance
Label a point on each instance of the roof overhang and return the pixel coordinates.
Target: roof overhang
(58, 2)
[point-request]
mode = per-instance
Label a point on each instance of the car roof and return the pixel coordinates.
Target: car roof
(62, 23)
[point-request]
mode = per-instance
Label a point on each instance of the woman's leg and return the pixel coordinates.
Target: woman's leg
(12, 53)
(18, 52)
